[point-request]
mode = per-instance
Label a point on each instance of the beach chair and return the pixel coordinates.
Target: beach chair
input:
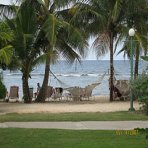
(49, 92)
(75, 93)
(13, 95)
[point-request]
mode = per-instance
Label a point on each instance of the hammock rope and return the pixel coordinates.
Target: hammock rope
(66, 85)
(61, 82)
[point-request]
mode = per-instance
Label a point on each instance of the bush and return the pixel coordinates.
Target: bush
(140, 89)
(2, 90)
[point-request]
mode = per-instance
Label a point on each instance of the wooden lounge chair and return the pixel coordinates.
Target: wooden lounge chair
(13, 95)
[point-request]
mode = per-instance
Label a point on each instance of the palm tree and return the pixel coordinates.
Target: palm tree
(60, 38)
(25, 31)
(103, 20)
(51, 36)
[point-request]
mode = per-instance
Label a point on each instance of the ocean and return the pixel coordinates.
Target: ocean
(86, 73)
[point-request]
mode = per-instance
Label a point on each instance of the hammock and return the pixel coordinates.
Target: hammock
(77, 93)
(62, 83)
(123, 87)
(67, 86)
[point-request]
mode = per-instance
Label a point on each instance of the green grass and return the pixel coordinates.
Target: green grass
(112, 116)
(47, 138)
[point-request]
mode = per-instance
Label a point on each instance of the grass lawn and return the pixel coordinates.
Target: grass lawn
(112, 116)
(47, 138)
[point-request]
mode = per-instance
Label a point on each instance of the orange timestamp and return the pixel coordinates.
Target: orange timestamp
(127, 132)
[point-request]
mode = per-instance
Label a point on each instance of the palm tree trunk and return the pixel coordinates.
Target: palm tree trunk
(136, 62)
(42, 93)
(26, 93)
(111, 67)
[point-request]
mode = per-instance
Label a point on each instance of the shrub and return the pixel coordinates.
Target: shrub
(2, 90)
(139, 88)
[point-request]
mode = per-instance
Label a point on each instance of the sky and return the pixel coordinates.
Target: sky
(91, 54)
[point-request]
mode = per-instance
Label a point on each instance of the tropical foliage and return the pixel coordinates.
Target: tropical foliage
(109, 22)
(36, 31)
(103, 20)
(60, 38)
(6, 50)
(140, 90)
(25, 32)
(44, 30)
(136, 17)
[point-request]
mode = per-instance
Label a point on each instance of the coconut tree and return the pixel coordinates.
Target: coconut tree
(25, 31)
(52, 37)
(60, 38)
(102, 19)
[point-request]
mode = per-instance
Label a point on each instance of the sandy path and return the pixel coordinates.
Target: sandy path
(100, 104)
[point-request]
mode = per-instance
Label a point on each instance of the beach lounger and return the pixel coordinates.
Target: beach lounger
(75, 93)
(13, 95)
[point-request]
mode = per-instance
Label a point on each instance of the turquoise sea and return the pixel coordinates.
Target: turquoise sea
(88, 72)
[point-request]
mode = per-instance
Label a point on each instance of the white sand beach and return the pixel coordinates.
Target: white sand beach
(96, 104)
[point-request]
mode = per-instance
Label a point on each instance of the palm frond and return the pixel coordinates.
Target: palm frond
(6, 54)
(141, 40)
(67, 52)
(74, 37)
(7, 10)
(50, 29)
(39, 60)
(5, 33)
(116, 10)
(63, 3)
(101, 44)
(122, 36)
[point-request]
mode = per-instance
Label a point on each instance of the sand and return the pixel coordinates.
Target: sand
(96, 104)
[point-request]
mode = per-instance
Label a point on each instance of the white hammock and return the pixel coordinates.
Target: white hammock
(77, 92)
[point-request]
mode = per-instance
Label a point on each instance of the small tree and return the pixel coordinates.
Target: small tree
(139, 88)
